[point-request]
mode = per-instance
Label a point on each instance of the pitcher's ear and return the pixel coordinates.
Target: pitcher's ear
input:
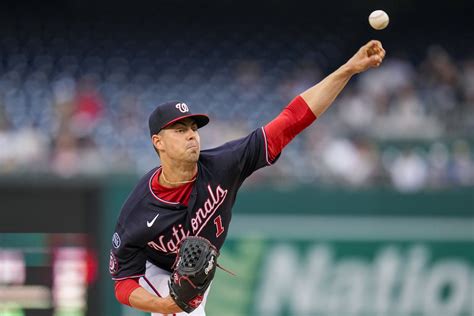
(157, 141)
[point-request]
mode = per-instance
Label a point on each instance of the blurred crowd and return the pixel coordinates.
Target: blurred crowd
(405, 125)
(78, 106)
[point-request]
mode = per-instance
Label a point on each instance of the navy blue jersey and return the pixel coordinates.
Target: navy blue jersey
(149, 228)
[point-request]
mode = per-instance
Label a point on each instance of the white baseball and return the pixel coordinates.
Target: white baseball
(378, 19)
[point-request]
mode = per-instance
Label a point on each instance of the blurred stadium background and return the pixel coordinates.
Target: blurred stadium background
(369, 212)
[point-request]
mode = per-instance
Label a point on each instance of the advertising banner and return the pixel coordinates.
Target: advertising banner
(337, 266)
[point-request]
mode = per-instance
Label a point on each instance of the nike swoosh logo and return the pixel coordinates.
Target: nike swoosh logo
(149, 224)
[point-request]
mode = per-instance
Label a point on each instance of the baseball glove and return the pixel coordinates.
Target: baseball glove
(193, 272)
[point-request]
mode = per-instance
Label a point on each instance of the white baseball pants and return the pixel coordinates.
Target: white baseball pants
(155, 281)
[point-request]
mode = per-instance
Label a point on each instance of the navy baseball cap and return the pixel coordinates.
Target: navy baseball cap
(170, 112)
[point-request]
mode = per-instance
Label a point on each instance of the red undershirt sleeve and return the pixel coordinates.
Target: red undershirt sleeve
(124, 288)
(289, 123)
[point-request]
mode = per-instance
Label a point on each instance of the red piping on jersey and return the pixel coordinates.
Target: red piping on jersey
(128, 277)
(153, 193)
(180, 194)
(266, 147)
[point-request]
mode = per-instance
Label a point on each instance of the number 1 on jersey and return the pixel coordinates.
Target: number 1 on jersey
(219, 227)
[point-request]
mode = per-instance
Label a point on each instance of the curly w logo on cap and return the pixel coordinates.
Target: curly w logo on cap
(182, 107)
